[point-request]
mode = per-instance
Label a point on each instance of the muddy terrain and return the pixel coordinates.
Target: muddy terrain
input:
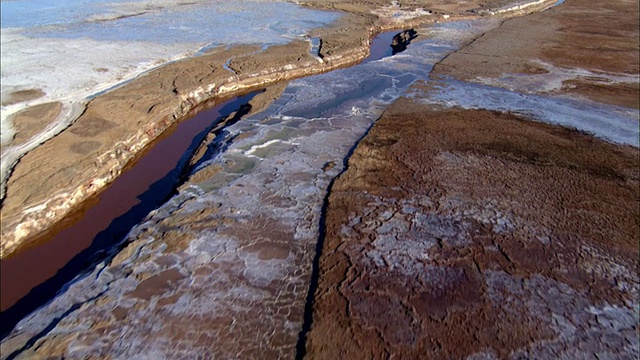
(461, 233)
(504, 236)
(53, 179)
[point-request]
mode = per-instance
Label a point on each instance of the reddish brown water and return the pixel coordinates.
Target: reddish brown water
(31, 278)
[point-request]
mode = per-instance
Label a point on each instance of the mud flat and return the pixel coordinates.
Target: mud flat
(51, 179)
(461, 229)
(233, 250)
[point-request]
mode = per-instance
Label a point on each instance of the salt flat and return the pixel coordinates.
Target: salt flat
(72, 52)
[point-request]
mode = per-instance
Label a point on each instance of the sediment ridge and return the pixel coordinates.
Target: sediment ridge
(55, 178)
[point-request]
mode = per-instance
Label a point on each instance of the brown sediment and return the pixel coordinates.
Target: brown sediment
(579, 34)
(22, 96)
(623, 94)
(56, 177)
(459, 233)
(32, 120)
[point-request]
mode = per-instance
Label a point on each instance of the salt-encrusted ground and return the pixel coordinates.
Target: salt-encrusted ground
(64, 52)
(232, 252)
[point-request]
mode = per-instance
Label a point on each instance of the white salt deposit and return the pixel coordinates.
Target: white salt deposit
(555, 77)
(612, 123)
(72, 50)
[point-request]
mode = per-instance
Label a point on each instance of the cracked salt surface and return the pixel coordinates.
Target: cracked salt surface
(110, 42)
(249, 218)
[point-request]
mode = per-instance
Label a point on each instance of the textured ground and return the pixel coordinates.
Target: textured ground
(580, 48)
(117, 125)
(232, 252)
(459, 233)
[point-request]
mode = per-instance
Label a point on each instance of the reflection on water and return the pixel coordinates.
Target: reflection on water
(32, 277)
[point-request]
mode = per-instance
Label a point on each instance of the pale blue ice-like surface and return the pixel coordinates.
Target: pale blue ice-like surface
(613, 123)
(31, 13)
(229, 22)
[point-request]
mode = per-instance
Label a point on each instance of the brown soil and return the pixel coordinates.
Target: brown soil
(31, 121)
(466, 232)
(22, 96)
(624, 94)
(597, 36)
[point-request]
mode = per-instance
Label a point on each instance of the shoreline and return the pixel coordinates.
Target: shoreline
(30, 214)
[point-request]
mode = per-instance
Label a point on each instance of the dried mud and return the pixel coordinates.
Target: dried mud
(469, 233)
(578, 36)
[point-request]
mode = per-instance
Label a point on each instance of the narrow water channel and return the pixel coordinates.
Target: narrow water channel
(31, 278)
(34, 276)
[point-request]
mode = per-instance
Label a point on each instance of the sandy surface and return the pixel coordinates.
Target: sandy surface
(120, 123)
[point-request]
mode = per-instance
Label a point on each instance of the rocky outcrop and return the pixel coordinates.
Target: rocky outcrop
(402, 40)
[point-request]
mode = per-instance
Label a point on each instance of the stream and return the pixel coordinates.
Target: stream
(34, 276)
(233, 249)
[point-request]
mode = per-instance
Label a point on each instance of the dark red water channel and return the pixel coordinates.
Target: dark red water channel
(34, 276)
(31, 278)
